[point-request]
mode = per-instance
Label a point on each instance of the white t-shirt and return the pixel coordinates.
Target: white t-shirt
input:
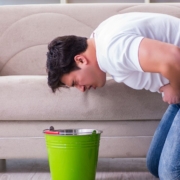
(117, 41)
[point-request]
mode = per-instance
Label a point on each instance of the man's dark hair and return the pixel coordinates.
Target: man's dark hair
(60, 58)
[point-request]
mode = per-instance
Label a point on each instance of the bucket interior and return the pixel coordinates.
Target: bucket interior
(71, 131)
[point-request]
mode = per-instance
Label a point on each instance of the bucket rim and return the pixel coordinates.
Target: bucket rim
(72, 132)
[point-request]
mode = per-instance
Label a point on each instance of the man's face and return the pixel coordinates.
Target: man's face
(85, 78)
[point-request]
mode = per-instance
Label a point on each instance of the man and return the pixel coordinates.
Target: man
(140, 50)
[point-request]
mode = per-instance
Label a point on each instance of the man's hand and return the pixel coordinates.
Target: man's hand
(170, 95)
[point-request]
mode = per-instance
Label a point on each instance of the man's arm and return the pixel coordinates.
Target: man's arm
(163, 58)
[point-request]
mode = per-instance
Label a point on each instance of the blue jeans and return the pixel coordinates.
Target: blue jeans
(163, 157)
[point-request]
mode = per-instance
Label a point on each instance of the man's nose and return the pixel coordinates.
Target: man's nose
(81, 88)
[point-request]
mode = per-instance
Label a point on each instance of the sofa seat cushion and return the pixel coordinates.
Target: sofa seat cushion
(29, 98)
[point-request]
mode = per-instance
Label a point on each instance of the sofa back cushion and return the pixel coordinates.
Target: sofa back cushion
(25, 31)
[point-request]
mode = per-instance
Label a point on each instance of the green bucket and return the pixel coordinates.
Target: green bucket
(72, 153)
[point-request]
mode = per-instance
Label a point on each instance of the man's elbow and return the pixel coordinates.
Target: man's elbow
(178, 52)
(176, 58)
(172, 64)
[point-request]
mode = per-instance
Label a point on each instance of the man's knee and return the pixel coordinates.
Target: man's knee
(152, 166)
(171, 172)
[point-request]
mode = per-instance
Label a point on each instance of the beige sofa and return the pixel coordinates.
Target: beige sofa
(127, 117)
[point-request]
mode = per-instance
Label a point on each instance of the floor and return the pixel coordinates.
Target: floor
(107, 169)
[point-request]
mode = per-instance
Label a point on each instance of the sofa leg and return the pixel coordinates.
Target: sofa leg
(2, 165)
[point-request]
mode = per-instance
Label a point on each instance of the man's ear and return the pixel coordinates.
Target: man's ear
(80, 60)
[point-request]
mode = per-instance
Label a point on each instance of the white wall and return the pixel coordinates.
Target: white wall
(105, 1)
(16, 2)
(166, 1)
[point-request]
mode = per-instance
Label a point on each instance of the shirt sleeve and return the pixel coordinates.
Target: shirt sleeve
(123, 52)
